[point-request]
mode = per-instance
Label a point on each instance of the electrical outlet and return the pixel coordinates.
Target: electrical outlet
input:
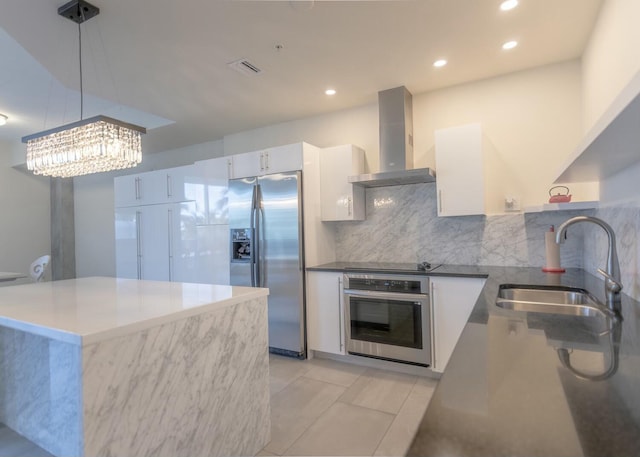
(511, 203)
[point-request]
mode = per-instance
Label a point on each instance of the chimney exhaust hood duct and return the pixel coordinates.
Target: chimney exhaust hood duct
(396, 143)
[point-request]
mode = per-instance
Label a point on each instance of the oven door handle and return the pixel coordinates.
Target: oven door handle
(388, 295)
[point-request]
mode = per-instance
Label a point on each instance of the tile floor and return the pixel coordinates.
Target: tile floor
(323, 407)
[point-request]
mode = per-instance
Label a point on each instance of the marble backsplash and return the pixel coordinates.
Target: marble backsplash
(402, 226)
(625, 221)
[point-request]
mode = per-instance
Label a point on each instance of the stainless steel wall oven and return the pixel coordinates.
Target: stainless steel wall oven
(388, 317)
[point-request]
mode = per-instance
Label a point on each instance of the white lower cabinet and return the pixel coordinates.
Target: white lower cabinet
(452, 299)
(157, 242)
(325, 312)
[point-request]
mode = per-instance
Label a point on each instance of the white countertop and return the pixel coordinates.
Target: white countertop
(87, 310)
(10, 276)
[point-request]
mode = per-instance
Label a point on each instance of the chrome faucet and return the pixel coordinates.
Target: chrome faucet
(612, 284)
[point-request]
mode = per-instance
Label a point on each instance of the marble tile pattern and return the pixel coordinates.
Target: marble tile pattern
(39, 385)
(402, 226)
(193, 387)
(625, 221)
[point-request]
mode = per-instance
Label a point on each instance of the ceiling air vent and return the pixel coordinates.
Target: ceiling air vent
(245, 67)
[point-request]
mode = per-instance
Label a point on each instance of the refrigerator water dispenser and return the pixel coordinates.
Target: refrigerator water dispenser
(241, 245)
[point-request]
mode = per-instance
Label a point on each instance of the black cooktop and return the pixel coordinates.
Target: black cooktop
(390, 266)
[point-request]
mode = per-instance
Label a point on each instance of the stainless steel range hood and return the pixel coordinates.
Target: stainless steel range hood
(396, 144)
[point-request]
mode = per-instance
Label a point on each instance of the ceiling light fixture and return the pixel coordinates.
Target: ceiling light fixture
(509, 45)
(330, 91)
(439, 63)
(93, 145)
(508, 5)
(3, 119)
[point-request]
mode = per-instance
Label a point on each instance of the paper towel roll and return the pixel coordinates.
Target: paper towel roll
(553, 254)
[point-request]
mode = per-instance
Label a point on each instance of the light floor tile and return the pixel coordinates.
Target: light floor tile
(398, 438)
(343, 374)
(296, 407)
(343, 430)
(264, 453)
(284, 370)
(381, 390)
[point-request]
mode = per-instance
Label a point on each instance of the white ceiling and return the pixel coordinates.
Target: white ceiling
(163, 63)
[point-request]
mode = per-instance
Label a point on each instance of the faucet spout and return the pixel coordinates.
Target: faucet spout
(612, 283)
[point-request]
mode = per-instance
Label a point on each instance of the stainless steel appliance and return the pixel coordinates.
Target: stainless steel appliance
(265, 219)
(388, 317)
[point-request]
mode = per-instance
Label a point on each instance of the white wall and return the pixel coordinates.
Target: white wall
(532, 118)
(611, 58)
(25, 230)
(94, 207)
(610, 61)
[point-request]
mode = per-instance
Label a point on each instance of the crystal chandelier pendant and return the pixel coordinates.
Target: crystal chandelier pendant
(93, 145)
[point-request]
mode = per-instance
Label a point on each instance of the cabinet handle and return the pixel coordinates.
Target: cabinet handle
(229, 169)
(137, 188)
(432, 317)
(349, 206)
(340, 311)
(262, 161)
(169, 221)
(266, 161)
(139, 242)
(169, 187)
(440, 201)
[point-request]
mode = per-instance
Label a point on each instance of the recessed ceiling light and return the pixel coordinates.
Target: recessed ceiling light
(509, 45)
(439, 63)
(330, 91)
(508, 5)
(3, 119)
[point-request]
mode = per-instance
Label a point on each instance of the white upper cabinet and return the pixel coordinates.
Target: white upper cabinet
(153, 187)
(267, 161)
(459, 162)
(341, 200)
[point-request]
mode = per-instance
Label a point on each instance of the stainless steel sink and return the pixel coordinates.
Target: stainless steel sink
(550, 299)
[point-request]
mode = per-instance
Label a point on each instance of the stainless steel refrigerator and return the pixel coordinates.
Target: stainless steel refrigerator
(265, 220)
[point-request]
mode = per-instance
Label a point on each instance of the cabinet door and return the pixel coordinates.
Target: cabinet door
(459, 164)
(325, 312)
(153, 229)
(341, 200)
(183, 242)
(213, 254)
(177, 182)
(127, 247)
(247, 165)
(452, 300)
(281, 159)
(210, 190)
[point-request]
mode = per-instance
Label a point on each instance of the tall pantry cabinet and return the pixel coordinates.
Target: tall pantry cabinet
(156, 240)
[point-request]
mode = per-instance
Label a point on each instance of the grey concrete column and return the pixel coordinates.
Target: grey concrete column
(63, 234)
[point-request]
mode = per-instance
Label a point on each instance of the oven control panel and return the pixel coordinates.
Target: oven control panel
(400, 284)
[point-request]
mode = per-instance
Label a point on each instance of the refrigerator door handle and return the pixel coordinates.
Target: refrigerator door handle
(252, 222)
(259, 216)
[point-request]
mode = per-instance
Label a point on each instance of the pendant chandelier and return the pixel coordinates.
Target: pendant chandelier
(93, 145)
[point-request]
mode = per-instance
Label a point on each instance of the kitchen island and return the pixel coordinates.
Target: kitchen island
(535, 384)
(105, 366)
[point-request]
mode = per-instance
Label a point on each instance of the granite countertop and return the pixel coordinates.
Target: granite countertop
(506, 391)
(86, 310)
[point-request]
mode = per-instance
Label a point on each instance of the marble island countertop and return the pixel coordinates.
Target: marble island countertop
(87, 310)
(532, 384)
